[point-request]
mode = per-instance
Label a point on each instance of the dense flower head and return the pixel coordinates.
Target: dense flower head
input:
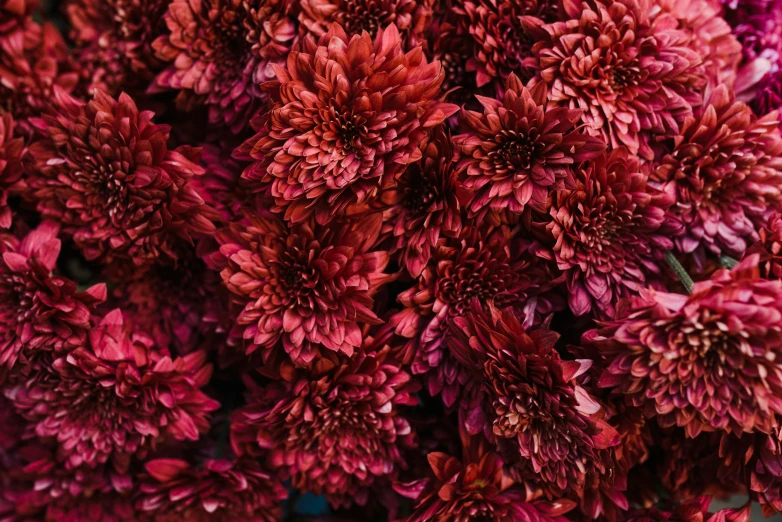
(335, 430)
(725, 170)
(12, 151)
(704, 362)
(630, 78)
(516, 152)
(609, 232)
(217, 491)
(308, 286)
(425, 205)
(105, 172)
(39, 310)
(347, 117)
(114, 397)
(529, 396)
(220, 51)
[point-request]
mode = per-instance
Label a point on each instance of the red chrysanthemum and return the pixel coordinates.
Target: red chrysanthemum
(425, 204)
(39, 311)
(105, 172)
(709, 361)
(115, 397)
(113, 41)
(516, 152)
(476, 488)
(220, 51)
(769, 248)
(218, 491)
(347, 118)
(489, 265)
(12, 151)
(335, 430)
(627, 75)
(609, 232)
(528, 395)
(312, 288)
(725, 168)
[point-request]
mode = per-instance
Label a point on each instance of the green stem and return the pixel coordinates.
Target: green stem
(728, 262)
(681, 273)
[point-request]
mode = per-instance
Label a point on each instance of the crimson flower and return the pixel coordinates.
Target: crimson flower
(310, 287)
(335, 430)
(105, 172)
(704, 362)
(516, 152)
(12, 151)
(328, 146)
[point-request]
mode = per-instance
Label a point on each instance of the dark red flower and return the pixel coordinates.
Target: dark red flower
(220, 51)
(335, 430)
(769, 248)
(629, 76)
(40, 311)
(709, 361)
(425, 204)
(516, 152)
(610, 232)
(347, 118)
(115, 397)
(105, 172)
(12, 150)
(310, 287)
(217, 491)
(725, 168)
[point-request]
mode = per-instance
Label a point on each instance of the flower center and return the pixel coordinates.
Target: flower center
(360, 17)
(419, 195)
(518, 150)
(349, 133)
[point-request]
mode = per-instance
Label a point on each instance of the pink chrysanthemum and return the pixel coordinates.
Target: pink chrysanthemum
(218, 491)
(220, 51)
(516, 152)
(12, 151)
(115, 397)
(347, 118)
(705, 362)
(334, 431)
(628, 75)
(310, 287)
(105, 172)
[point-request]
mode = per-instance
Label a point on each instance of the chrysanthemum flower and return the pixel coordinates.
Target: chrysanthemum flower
(610, 232)
(335, 430)
(725, 168)
(105, 172)
(425, 204)
(627, 75)
(40, 311)
(220, 51)
(528, 395)
(705, 362)
(115, 397)
(217, 491)
(312, 287)
(113, 41)
(516, 152)
(12, 151)
(347, 118)
(769, 248)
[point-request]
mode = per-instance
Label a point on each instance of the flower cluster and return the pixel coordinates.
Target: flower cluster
(390, 260)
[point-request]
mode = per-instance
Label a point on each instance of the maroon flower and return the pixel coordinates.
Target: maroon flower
(105, 172)
(334, 431)
(628, 75)
(311, 287)
(705, 362)
(220, 51)
(39, 311)
(425, 204)
(218, 491)
(515, 152)
(347, 118)
(113, 41)
(726, 170)
(610, 232)
(115, 397)
(11, 153)
(529, 396)
(769, 248)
